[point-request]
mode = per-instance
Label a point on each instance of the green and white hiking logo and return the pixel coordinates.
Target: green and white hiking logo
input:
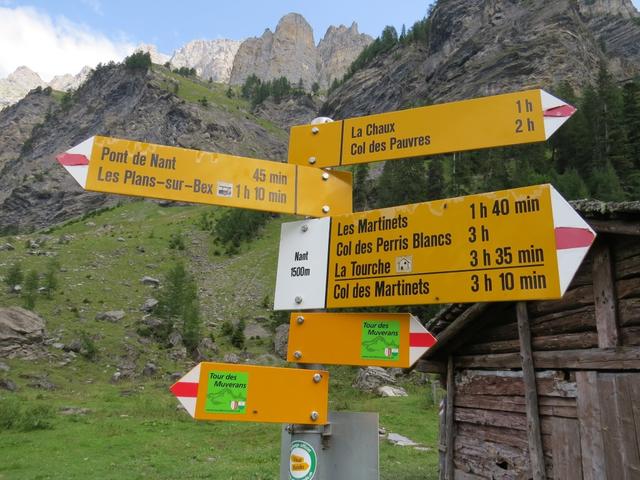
(302, 461)
(227, 392)
(380, 340)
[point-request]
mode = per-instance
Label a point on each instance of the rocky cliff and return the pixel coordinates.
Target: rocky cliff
(35, 191)
(484, 47)
(290, 52)
(17, 84)
(212, 59)
(337, 50)
(67, 82)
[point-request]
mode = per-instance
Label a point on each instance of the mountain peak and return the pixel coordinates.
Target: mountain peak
(291, 52)
(212, 59)
(24, 75)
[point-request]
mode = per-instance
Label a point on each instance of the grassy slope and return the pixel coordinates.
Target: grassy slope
(133, 429)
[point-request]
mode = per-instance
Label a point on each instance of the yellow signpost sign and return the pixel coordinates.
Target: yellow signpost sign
(367, 339)
(249, 393)
(520, 244)
(510, 119)
(126, 167)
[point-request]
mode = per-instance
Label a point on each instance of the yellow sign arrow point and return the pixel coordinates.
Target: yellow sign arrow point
(366, 339)
(519, 244)
(127, 167)
(510, 119)
(249, 393)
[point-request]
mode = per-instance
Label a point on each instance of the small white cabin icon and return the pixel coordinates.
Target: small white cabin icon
(404, 264)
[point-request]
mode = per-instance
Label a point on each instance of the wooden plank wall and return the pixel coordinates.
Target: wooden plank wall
(574, 405)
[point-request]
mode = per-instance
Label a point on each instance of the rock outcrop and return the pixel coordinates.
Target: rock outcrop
(485, 47)
(21, 333)
(212, 59)
(337, 50)
(290, 52)
(67, 82)
(16, 126)
(35, 191)
(17, 85)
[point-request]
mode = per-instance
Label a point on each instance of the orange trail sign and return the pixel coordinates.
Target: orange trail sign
(512, 245)
(249, 393)
(127, 167)
(501, 120)
(365, 339)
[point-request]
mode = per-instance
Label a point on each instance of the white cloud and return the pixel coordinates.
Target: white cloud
(52, 46)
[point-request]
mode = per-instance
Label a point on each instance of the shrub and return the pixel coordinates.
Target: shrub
(30, 290)
(237, 225)
(227, 328)
(14, 276)
(138, 61)
(178, 303)
(89, 349)
(176, 242)
(13, 415)
(238, 338)
(50, 282)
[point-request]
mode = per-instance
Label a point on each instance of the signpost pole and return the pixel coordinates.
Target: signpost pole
(306, 436)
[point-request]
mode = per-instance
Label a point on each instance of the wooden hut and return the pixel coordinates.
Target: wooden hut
(549, 389)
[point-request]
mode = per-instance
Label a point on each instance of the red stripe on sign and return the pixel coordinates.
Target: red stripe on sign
(421, 340)
(561, 111)
(185, 389)
(72, 159)
(570, 237)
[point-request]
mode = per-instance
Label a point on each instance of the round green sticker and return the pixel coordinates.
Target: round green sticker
(302, 461)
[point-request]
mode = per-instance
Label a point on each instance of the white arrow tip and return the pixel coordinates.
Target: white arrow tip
(573, 235)
(555, 112)
(76, 161)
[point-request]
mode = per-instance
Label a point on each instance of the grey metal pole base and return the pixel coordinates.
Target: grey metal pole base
(345, 449)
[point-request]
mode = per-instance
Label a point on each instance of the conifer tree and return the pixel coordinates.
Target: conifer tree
(402, 182)
(436, 187)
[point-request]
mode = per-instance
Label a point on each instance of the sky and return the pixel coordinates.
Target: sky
(54, 37)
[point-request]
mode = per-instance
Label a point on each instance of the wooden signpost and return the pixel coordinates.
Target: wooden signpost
(127, 167)
(249, 393)
(366, 339)
(519, 244)
(501, 120)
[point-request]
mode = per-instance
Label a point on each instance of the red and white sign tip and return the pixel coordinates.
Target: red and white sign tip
(420, 340)
(574, 237)
(555, 112)
(186, 390)
(76, 161)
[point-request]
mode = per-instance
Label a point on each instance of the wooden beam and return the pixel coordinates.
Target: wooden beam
(620, 358)
(451, 385)
(451, 332)
(430, 366)
(565, 445)
(604, 295)
(530, 394)
(589, 416)
(617, 227)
